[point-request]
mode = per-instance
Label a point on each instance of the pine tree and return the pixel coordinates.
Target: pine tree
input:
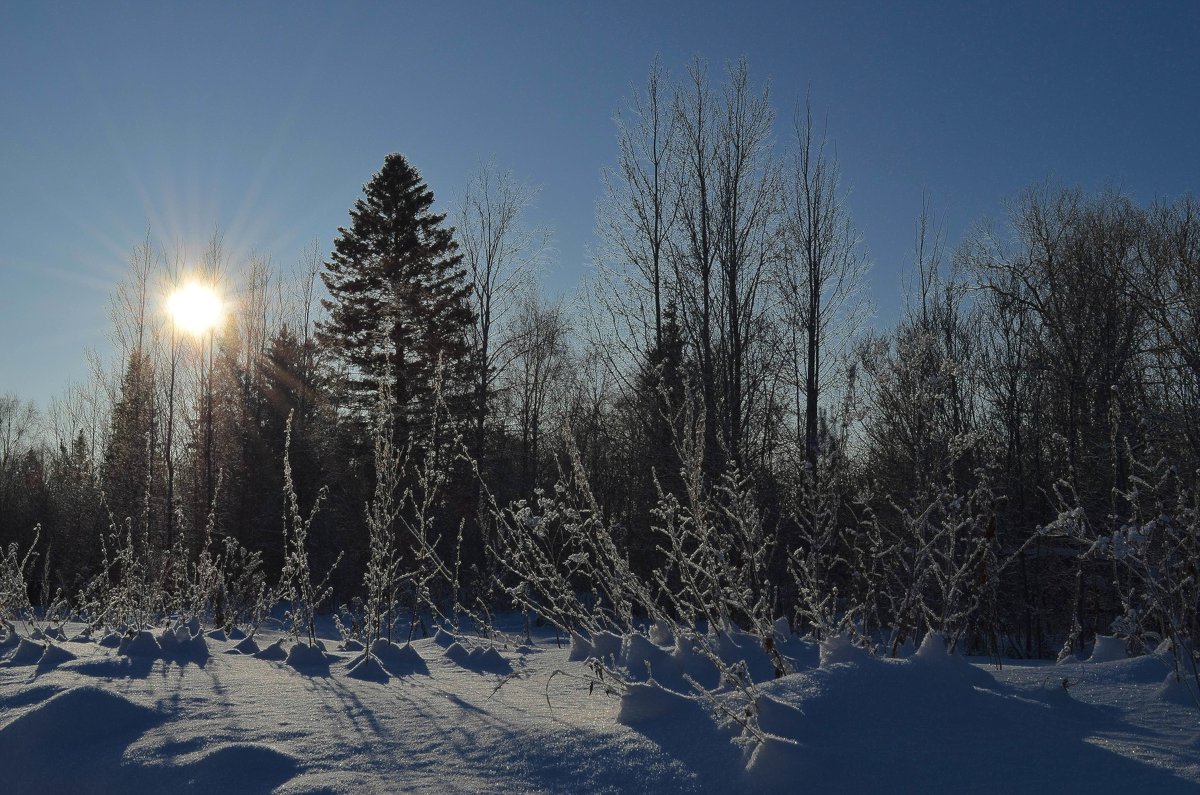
(398, 298)
(127, 458)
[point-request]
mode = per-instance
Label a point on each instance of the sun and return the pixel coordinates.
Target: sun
(195, 308)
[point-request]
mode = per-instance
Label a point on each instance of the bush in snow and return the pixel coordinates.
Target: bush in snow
(942, 562)
(14, 584)
(296, 585)
(404, 562)
(1153, 549)
(382, 580)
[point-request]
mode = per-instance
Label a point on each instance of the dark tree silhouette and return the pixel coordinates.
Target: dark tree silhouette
(398, 298)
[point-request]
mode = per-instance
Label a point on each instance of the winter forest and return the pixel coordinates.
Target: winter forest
(704, 500)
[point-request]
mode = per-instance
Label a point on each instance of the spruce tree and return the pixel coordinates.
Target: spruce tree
(398, 298)
(127, 456)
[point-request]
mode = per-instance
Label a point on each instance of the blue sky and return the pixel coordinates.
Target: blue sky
(265, 120)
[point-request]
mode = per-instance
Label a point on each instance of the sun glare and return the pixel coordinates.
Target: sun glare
(195, 308)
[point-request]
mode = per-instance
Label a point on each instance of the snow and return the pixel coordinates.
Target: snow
(459, 713)
(1107, 649)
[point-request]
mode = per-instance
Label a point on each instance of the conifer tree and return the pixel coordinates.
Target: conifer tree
(398, 298)
(127, 456)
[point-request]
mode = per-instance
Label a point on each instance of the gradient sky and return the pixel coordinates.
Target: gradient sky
(266, 119)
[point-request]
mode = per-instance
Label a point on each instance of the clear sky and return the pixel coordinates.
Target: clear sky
(265, 119)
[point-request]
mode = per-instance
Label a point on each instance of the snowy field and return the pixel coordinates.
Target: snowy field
(192, 713)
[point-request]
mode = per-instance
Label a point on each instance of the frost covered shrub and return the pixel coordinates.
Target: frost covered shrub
(296, 584)
(242, 597)
(943, 559)
(569, 567)
(195, 586)
(1154, 552)
(837, 565)
(125, 595)
(564, 560)
(15, 605)
(404, 562)
(432, 582)
(715, 572)
(381, 580)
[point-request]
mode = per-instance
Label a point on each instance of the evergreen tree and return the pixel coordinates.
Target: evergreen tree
(398, 298)
(657, 413)
(127, 457)
(75, 520)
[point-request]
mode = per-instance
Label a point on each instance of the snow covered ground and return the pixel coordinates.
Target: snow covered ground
(199, 716)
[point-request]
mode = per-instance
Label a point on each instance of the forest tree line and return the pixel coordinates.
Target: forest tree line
(1014, 463)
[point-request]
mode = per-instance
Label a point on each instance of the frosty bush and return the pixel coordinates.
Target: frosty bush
(943, 558)
(382, 580)
(565, 560)
(296, 584)
(837, 564)
(15, 569)
(1153, 552)
(124, 595)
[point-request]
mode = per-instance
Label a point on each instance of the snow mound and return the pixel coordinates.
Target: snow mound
(840, 650)
(734, 646)
(110, 641)
(1183, 691)
(217, 634)
(443, 638)
(646, 702)
(643, 659)
(75, 741)
(239, 767)
(478, 659)
(606, 647)
(775, 765)
(864, 726)
(53, 656)
(81, 713)
(368, 669)
(66, 743)
(9, 641)
(1108, 648)
(934, 656)
(141, 644)
(398, 660)
(246, 646)
(28, 652)
(695, 663)
(581, 648)
(50, 633)
(308, 658)
(180, 644)
(274, 652)
(350, 644)
(235, 634)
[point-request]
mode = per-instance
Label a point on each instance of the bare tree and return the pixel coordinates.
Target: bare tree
(499, 252)
(723, 248)
(130, 301)
(748, 204)
(253, 322)
(819, 277)
(641, 204)
(694, 247)
(537, 375)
